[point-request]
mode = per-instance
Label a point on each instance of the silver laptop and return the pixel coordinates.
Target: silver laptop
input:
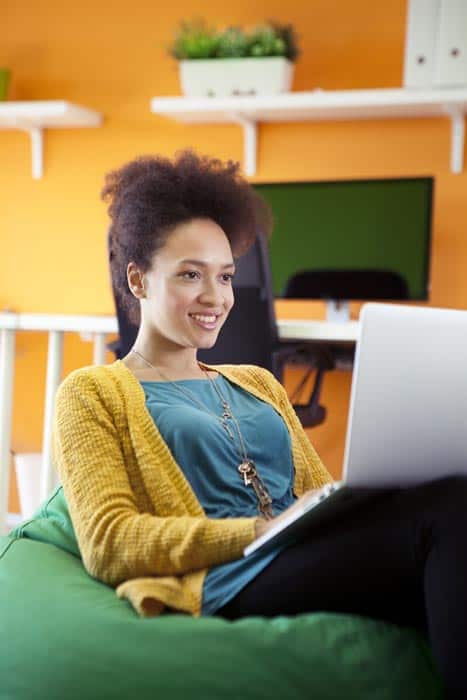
(408, 410)
(408, 404)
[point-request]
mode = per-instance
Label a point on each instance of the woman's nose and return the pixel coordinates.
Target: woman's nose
(212, 293)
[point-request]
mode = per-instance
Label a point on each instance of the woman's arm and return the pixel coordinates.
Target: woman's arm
(118, 542)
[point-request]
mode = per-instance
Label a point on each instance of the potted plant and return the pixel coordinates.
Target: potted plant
(234, 61)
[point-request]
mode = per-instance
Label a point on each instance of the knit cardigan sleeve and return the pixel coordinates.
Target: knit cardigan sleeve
(117, 541)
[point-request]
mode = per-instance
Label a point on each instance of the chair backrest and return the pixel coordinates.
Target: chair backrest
(249, 336)
(127, 331)
(346, 285)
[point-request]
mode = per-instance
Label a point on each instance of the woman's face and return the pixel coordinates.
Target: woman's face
(188, 290)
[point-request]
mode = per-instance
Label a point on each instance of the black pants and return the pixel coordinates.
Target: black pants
(402, 559)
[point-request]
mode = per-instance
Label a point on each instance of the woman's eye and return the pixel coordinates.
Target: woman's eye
(193, 274)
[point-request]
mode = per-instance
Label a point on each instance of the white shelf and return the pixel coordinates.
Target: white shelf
(320, 105)
(36, 116)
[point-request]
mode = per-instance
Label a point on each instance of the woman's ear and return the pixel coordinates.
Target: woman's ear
(135, 280)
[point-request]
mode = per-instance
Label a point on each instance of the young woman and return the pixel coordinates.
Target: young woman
(171, 467)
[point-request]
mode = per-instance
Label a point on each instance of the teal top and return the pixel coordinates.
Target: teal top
(209, 458)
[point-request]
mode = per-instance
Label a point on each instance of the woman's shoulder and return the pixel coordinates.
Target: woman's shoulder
(95, 378)
(251, 377)
(251, 372)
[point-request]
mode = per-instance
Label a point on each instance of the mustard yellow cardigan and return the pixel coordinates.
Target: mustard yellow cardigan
(139, 525)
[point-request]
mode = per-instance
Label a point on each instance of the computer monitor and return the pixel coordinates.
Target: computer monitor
(351, 239)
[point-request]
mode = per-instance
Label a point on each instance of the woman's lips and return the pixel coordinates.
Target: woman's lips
(200, 320)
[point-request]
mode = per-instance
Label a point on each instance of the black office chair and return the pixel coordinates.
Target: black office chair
(127, 331)
(336, 286)
(346, 284)
(249, 336)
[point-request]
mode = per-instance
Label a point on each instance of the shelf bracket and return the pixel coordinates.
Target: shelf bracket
(37, 151)
(250, 142)
(37, 146)
(457, 138)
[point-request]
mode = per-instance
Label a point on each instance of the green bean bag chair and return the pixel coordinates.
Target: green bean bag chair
(64, 635)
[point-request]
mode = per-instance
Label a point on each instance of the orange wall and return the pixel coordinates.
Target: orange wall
(111, 56)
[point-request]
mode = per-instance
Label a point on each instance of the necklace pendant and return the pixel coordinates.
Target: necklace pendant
(227, 428)
(248, 471)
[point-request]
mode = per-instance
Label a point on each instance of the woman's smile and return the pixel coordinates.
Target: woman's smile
(207, 321)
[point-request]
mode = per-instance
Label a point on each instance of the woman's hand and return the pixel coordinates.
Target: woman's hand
(262, 526)
(304, 499)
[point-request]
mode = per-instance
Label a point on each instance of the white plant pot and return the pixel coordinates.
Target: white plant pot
(225, 77)
(28, 477)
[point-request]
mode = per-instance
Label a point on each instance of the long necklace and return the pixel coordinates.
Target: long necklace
(247, 467)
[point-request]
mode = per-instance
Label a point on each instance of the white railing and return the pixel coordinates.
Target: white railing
(94, 327)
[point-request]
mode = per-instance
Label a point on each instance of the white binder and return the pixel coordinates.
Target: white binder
(451, 49)
(420, 42)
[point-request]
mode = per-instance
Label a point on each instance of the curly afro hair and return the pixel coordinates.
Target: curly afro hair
(150, 196)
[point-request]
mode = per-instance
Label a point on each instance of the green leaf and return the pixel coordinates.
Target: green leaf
(195, 39)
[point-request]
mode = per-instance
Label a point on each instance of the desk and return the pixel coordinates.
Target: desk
(337, 340)
(319, 331)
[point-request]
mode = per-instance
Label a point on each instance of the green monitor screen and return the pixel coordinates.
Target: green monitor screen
(382, 224)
